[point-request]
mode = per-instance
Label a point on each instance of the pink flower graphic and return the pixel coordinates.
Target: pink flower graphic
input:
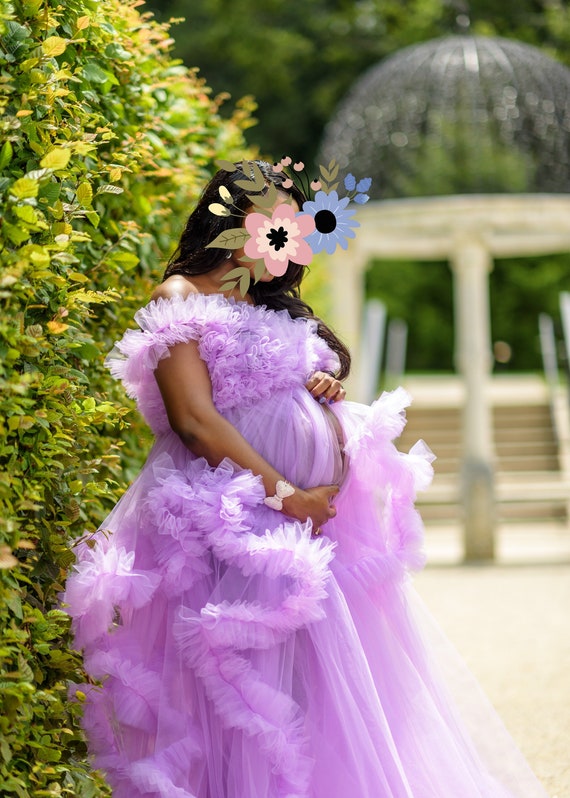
(279, 239)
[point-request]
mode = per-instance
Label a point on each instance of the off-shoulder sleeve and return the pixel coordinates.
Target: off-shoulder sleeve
(163, 323)
(325, 358)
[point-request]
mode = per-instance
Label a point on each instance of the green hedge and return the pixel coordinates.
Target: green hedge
(105, 140)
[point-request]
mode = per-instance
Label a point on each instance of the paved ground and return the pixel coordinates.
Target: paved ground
(511, 623)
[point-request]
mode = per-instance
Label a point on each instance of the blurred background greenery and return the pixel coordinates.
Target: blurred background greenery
(298, 58)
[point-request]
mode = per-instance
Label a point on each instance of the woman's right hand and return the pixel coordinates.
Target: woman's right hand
(313, 503)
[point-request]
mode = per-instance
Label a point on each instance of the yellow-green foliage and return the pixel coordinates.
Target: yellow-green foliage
(104, 142)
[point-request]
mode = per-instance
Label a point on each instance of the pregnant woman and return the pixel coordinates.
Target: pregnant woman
(246, 606)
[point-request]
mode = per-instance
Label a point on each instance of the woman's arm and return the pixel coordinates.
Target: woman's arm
(186, 390)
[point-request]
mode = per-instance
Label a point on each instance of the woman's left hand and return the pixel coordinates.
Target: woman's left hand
(325, 388)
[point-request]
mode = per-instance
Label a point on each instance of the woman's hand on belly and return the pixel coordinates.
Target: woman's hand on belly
(314, 503)
(325, 388)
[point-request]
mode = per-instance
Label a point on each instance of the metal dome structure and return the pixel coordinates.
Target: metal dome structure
(459, 115)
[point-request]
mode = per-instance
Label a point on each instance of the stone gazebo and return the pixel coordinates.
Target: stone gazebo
(485, 124)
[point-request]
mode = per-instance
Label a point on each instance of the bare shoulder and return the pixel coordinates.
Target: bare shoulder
(177, 285)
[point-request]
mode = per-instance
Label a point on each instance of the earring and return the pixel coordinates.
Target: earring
(228, 256)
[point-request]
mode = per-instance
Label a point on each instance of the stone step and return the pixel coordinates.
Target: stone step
(532, 511)
(503, 449)
(533, 433)
(529, 485)
(434, 515)
(536, 462)
(445, 418)
(510, 486)
(523, 429)
(532, 496)
(534, 419)
(523, 437)
(514, 487)
(414, 430)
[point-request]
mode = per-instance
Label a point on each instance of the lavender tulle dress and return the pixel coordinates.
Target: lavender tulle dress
(239, 656)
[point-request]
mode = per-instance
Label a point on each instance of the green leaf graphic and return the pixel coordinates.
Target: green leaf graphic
(238, 272)
(258, 269)
(230, 239)
(244, 283)
(257, 182)
(228, 166)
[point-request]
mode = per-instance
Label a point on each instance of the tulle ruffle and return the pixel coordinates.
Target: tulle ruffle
(251, 352)
(383, 486)
(190, 519)
(105, 578)
(160, 775)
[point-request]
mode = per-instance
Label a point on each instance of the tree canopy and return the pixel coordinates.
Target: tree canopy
(299, 57)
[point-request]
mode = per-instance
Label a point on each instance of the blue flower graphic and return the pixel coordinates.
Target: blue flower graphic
(364, 184)
(350, 182)
(333, 223)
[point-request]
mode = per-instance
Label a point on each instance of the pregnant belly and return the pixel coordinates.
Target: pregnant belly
(299, 437)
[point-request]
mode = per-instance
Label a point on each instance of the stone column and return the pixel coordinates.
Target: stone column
(471, 263)
(347, 283)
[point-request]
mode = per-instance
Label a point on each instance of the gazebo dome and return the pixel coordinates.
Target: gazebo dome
(458, 115)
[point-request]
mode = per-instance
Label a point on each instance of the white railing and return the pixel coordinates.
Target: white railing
(559, 395)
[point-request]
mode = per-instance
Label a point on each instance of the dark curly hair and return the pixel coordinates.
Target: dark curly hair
(282, 293)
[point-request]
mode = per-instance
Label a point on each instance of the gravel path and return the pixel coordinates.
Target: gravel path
(512, 626)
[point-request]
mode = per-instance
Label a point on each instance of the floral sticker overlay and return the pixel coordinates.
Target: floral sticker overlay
(273, 235)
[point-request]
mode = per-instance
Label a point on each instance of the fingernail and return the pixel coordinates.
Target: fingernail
(322, 400)
(331, 401)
